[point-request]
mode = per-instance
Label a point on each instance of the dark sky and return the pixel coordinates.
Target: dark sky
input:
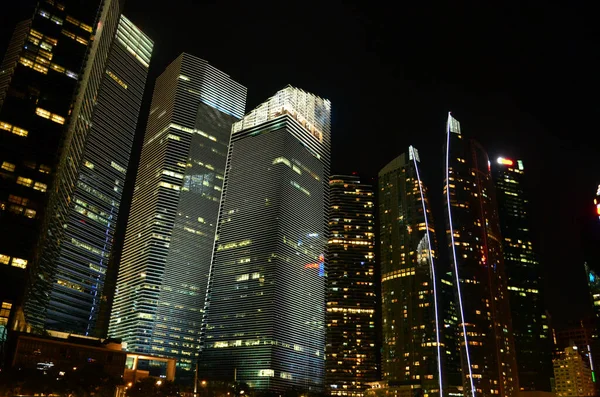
(522, 78)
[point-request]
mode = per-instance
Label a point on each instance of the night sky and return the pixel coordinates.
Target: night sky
(522, 79)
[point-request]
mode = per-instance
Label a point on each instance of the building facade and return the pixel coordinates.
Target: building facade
(265, 320)
(163, 274)
(531, 330)
(572, 375)
(351, 350)
(69, 270)
(474, 241)
(411, 324)
(39, 76)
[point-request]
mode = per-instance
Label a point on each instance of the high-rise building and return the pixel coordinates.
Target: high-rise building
(531, 330)
(572, 376)
(475, 250)
(265, 321)
(412, 351)
(351, 348)
(584, 337)
(163, 272)
(68, 273)
(42, 70)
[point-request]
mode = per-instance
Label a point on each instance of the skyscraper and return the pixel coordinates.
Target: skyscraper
(475, 250)
(533, 342)
(412, 340)
(572, 375)
(41, 71)
(351, 351)
(163, 274)
(70, 267)
(266, 300)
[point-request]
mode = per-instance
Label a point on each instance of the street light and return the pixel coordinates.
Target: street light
(203, 383)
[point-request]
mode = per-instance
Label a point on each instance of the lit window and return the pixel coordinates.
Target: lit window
(85, 27)
(57, 20)
(35, 33)
(40, 186)
(26, 62)
(60, 6)
(5, 126)
(118, 167)
(50, 41)
(115, 78)
(17, 200)
(4, 259)
(82, 40)
(20, 131)
(57, 119)
(56, 67)
(18, 262)
(44, 13)
(44, 169)
(39, 68)
(24, 181)
(29, 213)
(46, 46)
(72, 20)
(89, 164)
(42, 113)
(8, 166)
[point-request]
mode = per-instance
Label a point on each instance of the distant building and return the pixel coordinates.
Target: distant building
(572, 375)
(265, 318)
(351, 351)
(474, 242)
(533, 342)
(583, 336)
(412, 342)
(164, 267)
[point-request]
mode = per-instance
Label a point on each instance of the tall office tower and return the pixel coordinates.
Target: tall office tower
(69, 271)
(412, 341)
(266, 300)
(351, 351)
(161, 285)
(593, 281)
(42, 70)
(475, 250)
(533, 342)
(572, 375)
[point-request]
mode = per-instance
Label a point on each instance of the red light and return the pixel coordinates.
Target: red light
(502, 160)
(598, 209)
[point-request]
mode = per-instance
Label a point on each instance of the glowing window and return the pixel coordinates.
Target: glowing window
(56, 67)
(24, 181)
(42, 113)
(29, 213)
(40, 186)
(20, 131)
(68, 34)
(4, 259)
(8, 166)
(44, 169)
(18, 262)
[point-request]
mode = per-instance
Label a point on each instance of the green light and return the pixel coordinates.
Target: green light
(593, 377)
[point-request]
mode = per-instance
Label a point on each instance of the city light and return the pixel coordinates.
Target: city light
(503, 161)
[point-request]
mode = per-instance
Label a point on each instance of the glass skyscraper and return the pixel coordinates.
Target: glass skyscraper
(533, 342)
(351, 351)
(69, 270)
(485, 332)
(266, 300)
(163, 273)
(42, 69)
(411, 321)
